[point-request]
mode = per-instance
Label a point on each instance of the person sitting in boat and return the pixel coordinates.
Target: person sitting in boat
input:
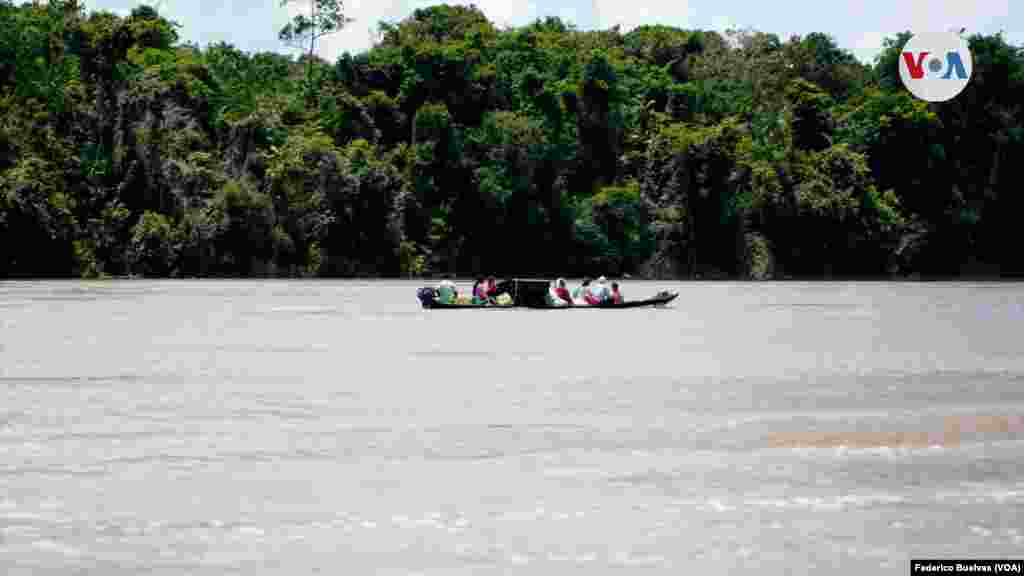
(552, 298)
(581, 296)
(447, 293)
(492, 288)
(599, 291)
(577, 293)
(561, 292)
(616, 295)
(480, 295)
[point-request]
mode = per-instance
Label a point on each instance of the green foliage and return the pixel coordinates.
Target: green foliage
(37, 45)
(438, 24)
(615, 220)
(886, 207)
(834, 183)
(432, 122)
(37, 224)
(149, 30)
(865, 122)
(680, 138)
(742, 74)
(296, 174)
(345, 118)
(662, 45)
(244, 80)
(242, 222)
(412, 263)
(153, 250)
(758, 257)
(682, 101)
(325, 17)
(899, 134)
(761, 191)
(887, 63)
(102, 246)
(456, 146)
(812, 123)
(33, 189)
(817, 59)
(365, 234)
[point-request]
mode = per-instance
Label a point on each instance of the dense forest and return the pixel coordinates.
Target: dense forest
(455, 147)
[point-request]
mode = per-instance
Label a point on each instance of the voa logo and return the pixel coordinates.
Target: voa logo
(936, 66)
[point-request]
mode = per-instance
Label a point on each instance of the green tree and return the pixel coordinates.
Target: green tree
(364, 235)
(241, 230)
(887, 63)
(812, 122)
(300, 175)
(437, 176)
(37, 224)
(599, 119)
(689, 174)
(511, 215)
(613, 230)
(325, 17)
(818, 59)
(154, 248)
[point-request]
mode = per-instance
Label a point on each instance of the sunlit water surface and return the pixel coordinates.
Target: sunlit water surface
(300, 427)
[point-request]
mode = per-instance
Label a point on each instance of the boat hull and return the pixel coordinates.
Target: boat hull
(659, 300)
(440, 306)
(428, 299)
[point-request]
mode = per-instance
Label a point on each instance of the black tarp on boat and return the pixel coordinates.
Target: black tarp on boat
(525, 292)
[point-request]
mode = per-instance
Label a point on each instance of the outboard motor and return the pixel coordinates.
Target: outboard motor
(427, 296)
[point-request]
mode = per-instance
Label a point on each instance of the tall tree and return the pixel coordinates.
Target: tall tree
(325, 17)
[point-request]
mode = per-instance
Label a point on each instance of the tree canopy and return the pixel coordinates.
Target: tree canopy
(455, 146)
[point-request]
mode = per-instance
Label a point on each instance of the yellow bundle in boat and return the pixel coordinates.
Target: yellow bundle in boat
(504, 299)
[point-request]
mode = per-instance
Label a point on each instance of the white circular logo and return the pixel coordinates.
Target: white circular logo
(936, 66)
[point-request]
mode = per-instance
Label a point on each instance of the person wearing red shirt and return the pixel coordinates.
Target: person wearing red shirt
(588, 295)
(562, 291)
(616, 295)
(480, 292)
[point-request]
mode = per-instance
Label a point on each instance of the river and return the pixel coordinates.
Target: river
(299, 427)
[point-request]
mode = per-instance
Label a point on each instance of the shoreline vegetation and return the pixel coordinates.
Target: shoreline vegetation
(432, 280)
(455, 148)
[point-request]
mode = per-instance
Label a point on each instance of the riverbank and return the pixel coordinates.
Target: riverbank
(430, 280)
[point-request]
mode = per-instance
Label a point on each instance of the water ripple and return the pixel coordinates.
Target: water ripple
(441, 354)
(75, 381)
(49, 471)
